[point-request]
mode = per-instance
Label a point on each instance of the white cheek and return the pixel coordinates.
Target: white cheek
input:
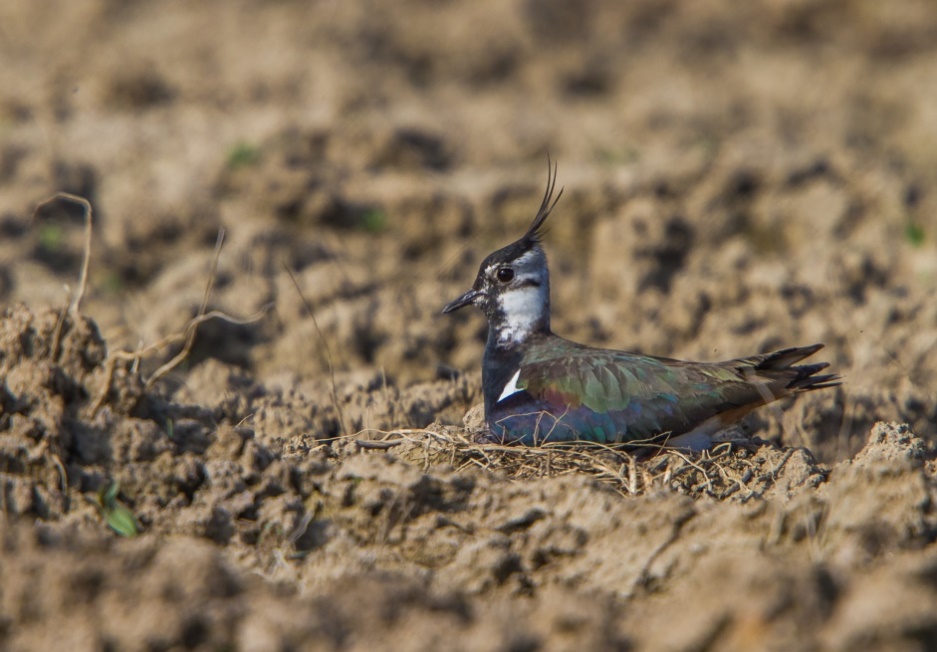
(522, 308)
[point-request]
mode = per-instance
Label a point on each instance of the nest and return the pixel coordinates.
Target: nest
(726, 470)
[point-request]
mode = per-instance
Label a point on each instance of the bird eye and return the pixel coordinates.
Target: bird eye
(505, 274)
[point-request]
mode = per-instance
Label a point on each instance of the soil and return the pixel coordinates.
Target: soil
(298, 472)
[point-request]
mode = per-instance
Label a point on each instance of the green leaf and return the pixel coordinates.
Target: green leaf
(914, 233)
(107, 496)
(112, 283)
(51, 237)
(243, 155)
(117, 515)
(120, 519)
(374, 220)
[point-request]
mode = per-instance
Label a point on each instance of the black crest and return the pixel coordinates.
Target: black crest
(536, 230)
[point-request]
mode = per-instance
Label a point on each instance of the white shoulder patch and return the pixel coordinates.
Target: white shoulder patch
(511, 388)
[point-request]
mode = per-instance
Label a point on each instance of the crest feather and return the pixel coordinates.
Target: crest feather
(536, 230)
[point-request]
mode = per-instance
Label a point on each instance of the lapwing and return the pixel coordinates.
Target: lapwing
(539, 387)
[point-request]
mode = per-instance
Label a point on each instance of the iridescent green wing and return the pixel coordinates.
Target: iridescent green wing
(644, 393)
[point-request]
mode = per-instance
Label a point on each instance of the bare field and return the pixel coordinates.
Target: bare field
(737, 178)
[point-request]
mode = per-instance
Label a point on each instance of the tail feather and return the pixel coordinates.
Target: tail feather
(806, 377)
(817, 382)
(780, 366)
(785, 358)
(770, 377)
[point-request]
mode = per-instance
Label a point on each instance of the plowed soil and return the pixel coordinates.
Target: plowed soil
(298, 465)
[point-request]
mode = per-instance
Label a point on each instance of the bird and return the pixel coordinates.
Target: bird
(540, 388)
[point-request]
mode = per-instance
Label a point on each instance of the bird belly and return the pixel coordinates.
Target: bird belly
(522, 420)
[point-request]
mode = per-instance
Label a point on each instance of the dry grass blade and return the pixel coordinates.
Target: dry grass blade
(169, 340)
(192, 327)
(333, 393)
(189, 334)
(74, 307)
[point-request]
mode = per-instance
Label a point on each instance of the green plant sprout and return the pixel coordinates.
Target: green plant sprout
(117, 515)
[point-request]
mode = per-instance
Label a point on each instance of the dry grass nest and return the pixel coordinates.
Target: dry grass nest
(726, 471)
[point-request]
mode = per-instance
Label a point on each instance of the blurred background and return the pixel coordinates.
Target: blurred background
(738, 177)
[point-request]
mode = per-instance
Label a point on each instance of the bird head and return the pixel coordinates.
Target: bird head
(512, 287)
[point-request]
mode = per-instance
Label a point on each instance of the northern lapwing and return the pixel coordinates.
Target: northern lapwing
(539, 387)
